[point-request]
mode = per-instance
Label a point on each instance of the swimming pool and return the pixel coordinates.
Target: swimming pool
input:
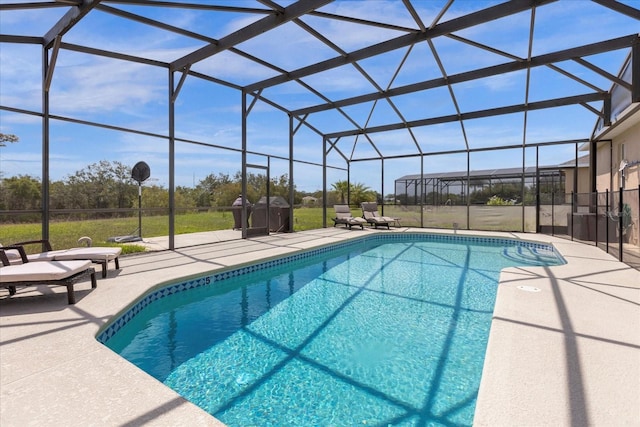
(385, 330)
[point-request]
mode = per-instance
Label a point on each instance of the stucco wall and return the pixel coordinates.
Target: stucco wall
(583, 180)
(610, 156)
(631, 141)
(603, 162)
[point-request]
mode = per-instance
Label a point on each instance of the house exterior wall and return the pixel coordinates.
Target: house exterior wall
(583, 180)
(603, 167)
(608, 158)
(568, 181)
(631, 141)
(625, 146)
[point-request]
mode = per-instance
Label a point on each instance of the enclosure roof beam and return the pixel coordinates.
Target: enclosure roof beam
(603, 73)
(114, 55)
(252, 30)
(71, 18)
(36, 5)
(52, 64)
(546, 59)
(177, 30)
(456, 24)
(186, 33)
(620, 8)
(193, 6)
(361, 21)
(8, 38)
(153, 23)
(477, 150)
(518, 108)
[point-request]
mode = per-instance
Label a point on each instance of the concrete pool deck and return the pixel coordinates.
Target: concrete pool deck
(566, 355)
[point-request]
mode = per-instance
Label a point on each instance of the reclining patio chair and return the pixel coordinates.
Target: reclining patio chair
(344, 216)
(96, 254)
(63, 273)
(371, 215)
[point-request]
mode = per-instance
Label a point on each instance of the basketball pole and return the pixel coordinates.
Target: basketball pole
(140, 210)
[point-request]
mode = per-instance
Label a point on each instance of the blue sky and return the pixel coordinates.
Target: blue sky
(131, 95)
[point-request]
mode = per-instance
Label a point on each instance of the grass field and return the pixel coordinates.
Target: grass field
(64, 233)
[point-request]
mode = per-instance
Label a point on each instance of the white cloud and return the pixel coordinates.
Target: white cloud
(101, 85)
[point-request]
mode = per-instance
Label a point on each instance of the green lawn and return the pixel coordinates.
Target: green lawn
(64, 233)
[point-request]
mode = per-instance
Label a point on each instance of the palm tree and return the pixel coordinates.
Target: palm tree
(342, 188)
(357, 192)
(361, 193)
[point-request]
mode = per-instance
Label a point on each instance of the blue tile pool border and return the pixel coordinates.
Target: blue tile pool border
(116, 325)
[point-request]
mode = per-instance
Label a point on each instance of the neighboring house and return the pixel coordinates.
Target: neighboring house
(569, 168)
(309, 201)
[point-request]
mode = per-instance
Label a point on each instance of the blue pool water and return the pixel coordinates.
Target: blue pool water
(372, 333)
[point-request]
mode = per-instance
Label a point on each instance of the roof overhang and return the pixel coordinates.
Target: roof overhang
(628, 118)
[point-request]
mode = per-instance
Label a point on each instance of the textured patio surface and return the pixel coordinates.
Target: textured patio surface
(567, 355)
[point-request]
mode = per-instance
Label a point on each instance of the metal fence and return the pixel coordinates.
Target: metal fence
(610, 220)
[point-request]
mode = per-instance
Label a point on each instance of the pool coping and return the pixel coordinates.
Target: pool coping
(54, 371)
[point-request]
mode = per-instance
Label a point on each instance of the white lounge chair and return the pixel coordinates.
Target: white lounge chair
(97, 254)
(344, 216)
(62, 273)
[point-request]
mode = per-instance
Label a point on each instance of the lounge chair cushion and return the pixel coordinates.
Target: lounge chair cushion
(44, 256)
(14, 257)
(93, 253)
(42, 271)
(98, 254)
(61, 273)
(344, 216)
(370, 213)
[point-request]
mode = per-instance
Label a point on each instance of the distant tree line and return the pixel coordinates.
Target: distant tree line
(107, 186)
